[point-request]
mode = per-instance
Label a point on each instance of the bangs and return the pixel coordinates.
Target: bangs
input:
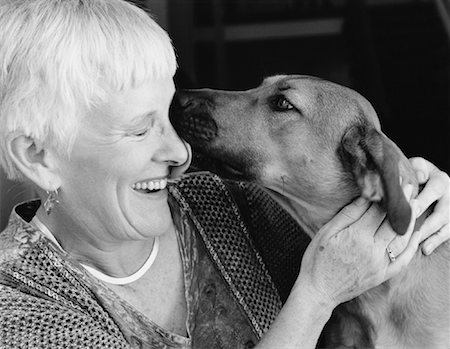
(118, 55)
(136, 50)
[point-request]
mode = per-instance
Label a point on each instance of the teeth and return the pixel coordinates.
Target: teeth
(151, 185)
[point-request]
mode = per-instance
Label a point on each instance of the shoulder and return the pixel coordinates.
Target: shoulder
(30, 321)
(276, 236)
(16, 239)
(43, 302)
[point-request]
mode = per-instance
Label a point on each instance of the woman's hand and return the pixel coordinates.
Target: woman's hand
(435, 230)
(348, 255)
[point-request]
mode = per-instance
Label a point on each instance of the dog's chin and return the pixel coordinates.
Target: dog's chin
(229, 171)
(223, 168)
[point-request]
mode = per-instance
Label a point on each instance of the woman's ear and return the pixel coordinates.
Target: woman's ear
(36, 162)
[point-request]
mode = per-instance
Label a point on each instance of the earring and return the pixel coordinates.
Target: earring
(51, 201)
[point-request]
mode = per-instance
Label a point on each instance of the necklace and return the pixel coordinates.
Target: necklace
(98, 274)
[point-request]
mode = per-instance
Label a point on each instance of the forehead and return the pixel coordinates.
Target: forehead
(152, 95)
(129, 108)
(290, 80)
(319, 93)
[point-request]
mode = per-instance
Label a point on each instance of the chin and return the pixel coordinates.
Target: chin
(149, 216)
(156, 221)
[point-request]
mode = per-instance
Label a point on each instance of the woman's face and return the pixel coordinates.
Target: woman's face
(122, 148)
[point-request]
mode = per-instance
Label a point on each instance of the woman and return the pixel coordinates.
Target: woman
(107, 258)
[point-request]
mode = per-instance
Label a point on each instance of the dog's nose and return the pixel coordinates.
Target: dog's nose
(190, 116)
(182, 100)
(193, 99)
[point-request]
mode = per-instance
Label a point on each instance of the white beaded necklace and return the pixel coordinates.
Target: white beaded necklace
(98, 274)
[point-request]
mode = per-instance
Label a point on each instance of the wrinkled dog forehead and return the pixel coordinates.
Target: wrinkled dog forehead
(326, 94)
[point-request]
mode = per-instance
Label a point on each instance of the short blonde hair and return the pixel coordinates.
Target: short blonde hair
(59, 58)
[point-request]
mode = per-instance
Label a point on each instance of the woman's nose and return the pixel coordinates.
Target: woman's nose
(174, 150)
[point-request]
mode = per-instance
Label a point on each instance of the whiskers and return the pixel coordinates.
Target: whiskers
(283, 180)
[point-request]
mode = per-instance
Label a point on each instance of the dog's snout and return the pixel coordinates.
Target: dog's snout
(190, 117)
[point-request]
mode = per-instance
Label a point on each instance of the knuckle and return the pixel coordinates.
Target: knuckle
(444, 232)
(348, 212)
(443, 178)
(418, 162)
(438, 219)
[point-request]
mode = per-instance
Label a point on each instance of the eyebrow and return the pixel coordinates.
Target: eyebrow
(284, 87)
(142, 117)
(136, 121)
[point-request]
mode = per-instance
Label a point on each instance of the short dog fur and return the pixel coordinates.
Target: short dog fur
(315, 146)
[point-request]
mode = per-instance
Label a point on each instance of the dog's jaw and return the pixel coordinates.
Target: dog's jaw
(310, 217)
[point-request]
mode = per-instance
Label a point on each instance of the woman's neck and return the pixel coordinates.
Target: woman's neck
(98, 250)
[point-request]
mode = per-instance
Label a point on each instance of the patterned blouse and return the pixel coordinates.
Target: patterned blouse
(47, 300)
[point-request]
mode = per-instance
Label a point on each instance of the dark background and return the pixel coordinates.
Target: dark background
(395, 53)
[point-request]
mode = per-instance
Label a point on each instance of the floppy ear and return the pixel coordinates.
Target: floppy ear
(374, 161)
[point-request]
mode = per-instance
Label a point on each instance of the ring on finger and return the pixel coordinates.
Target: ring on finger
(391, 254)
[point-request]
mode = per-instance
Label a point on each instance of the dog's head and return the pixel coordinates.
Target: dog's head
(299, 136)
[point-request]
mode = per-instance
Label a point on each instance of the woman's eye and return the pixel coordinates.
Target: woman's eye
(140, 133)
(282, 104)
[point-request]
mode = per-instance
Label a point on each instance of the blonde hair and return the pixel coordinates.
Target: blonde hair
(59, 58)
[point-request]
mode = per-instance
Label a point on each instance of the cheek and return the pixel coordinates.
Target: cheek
(99, 169)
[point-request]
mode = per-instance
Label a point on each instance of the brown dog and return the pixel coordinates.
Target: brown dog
(315, 146)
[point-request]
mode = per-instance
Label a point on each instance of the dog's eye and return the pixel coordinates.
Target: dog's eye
(280, 103)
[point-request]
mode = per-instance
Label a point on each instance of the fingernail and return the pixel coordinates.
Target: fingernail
(360, 201)
(428, 248)
(420, 176)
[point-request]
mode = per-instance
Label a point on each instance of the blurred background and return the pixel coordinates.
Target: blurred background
(394, 52)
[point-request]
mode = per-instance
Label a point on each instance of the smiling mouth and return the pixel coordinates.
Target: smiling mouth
(151, 186)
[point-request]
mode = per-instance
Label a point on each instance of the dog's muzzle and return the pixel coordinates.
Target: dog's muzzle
(189, 114)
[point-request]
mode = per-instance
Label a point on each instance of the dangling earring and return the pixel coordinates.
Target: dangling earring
(51, 201)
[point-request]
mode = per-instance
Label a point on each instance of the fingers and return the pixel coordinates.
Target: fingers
(371, 221)
(435, 228)
(437, 219)
(407, 247)
(422, 168)
(405, 257)
(436, 188)
(385, 234)
(349, 214)
(436, 239)
(400, 242)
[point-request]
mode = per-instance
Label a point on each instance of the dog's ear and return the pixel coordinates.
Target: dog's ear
(374, 161)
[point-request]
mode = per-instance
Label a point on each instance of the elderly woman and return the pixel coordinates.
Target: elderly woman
(109, 257)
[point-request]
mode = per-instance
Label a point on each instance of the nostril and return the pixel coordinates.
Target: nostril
(186, 103)
(182, 100)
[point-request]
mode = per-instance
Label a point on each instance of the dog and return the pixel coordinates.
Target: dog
(314, 146)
